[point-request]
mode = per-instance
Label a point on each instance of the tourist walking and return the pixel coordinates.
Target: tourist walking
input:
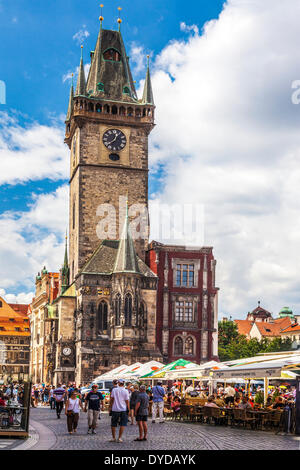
(93, 402)
(158, 402)
(73, 405)
(59, 395)
(141, 413)
(119, 408)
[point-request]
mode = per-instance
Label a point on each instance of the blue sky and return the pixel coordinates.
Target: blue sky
(227, 134)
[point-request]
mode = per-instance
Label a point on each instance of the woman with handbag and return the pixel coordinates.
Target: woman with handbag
(73, 406)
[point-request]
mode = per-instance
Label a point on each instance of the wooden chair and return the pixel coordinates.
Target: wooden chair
(207, 414)
(275, 418)
(217, 416)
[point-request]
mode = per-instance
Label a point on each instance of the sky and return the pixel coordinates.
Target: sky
(227, 136)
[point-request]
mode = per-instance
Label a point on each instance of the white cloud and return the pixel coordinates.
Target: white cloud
(33, 152)
(138, 58)
(228, 137)
(22, 298)
(68, 75)
(81, 35)
(189, 28)
(33, 239)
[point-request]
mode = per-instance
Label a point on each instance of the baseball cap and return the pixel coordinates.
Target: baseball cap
(121, 381)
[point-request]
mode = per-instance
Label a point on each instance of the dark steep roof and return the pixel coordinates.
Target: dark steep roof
(104, 259)
(114, 75)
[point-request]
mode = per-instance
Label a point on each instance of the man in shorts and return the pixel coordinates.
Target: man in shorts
(141, 413)
(119, 409)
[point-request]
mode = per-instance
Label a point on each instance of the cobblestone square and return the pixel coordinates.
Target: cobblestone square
(49, 433)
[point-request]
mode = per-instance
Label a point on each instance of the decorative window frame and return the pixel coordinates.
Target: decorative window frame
(197, 266)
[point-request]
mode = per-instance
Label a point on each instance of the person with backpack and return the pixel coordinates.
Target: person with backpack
(158, 402)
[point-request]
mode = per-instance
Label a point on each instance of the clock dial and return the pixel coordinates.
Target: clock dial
(114, 140)
(67, 351)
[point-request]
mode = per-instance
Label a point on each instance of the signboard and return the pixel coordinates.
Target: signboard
(248, 373)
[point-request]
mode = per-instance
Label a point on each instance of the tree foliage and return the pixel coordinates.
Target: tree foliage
(233, 346)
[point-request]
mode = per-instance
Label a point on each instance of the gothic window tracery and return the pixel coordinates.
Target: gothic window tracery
(128, 310)
(102, 317)
(118, 304)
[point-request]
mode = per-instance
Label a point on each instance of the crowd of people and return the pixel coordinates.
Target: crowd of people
(134, 403)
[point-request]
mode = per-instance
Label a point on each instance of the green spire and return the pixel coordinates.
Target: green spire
(81, 83)
(71, 104)
(148, 93)
(126, 260)
(65, 271)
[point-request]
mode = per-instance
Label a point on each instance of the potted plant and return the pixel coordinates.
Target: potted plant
(259, 399)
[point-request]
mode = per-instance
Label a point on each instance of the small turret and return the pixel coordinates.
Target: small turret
(148, 93)
(71, 102)
(81, 82)
(65, 272)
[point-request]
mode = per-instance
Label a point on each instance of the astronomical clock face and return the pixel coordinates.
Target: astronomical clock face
(114, 140)
(67, 351)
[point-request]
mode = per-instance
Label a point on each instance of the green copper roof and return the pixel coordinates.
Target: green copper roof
(286, 312)
(126, 260)
(114, 74)
(148, 93)
(65, 271)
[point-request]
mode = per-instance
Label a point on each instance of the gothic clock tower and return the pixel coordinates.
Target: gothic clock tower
(107, 129)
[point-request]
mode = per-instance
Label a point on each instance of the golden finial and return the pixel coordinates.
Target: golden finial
(119, 19)
(101, 16)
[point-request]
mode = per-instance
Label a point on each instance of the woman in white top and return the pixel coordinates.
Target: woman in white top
(73, 406)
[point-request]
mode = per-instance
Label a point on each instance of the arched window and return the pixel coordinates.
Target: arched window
(178, 346)
(1, 304)
(98, 108)
(107, 109)
(112, 54)
(189, 346)
(114, 110)
(102, 317)
(126, 90)
(118, 304)
(128, 310)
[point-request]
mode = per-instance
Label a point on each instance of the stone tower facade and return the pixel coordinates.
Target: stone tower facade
(107, 129)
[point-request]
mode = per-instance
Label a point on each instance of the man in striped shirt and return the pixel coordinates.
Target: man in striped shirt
(59, 395)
